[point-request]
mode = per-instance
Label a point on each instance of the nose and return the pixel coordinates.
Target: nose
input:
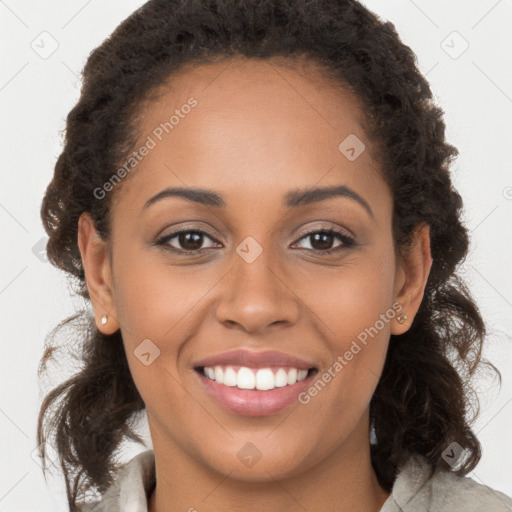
(257, 295)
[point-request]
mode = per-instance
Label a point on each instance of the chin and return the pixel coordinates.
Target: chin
(249, 464)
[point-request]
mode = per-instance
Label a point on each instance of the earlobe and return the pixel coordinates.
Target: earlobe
(98, 274)
(414, 269)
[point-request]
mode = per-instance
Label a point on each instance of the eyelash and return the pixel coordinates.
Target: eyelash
(347, 241)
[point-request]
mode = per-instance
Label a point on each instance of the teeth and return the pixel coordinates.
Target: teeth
(229, 377)
(265, 379)
(292, 376)
(281, 378)
(246, 378)
(219, 374)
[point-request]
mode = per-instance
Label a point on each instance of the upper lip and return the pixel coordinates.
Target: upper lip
(255, 360)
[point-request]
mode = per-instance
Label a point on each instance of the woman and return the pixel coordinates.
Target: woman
(254, 196)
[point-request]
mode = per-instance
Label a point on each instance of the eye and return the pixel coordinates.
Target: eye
(188, 240)
(322, 240)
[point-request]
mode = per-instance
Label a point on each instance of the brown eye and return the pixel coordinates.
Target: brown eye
(322, 240)
(185, 240)
(190, 240)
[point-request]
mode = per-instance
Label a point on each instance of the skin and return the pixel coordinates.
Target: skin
(259, 130)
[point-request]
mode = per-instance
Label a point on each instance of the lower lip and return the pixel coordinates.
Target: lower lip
(252, 402)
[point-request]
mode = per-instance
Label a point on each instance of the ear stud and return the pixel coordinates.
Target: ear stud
(104, 319)
(401, 318)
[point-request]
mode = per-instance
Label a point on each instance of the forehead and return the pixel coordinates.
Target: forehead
(256, 127)
(265, 95)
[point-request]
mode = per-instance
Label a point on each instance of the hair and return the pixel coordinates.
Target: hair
(424, 399)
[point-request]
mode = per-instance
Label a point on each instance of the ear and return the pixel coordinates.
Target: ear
(414, 265)
(98, 273)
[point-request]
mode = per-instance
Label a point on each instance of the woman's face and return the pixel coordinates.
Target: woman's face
(255, 136)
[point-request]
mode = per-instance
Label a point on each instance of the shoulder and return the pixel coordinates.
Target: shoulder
(450, 491)
(415, 490)
(131, 488)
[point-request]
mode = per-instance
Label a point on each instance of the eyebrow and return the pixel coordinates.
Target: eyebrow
(293, 198)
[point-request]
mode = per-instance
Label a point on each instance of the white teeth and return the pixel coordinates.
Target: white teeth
(262, 379)
(219, 374)
(281, 378)
(230, 377)
(245, 378)
(292, 376)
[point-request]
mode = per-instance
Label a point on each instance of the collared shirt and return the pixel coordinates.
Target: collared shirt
(412, 490)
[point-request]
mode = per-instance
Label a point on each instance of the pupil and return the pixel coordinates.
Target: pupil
(185, 240)
(322, 238)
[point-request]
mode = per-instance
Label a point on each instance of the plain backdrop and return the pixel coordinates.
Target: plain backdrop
(463, 48)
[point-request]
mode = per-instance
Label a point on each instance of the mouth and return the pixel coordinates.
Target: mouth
(251, 391)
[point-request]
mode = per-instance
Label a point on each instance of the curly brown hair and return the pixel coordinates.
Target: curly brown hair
(424, 399)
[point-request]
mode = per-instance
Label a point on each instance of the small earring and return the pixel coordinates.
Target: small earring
(401, 318)
(104, 319)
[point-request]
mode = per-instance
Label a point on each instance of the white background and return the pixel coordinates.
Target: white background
(474, 89)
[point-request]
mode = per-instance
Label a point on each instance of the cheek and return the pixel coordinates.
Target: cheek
(352, 297)
(354, 308)
(151, 297)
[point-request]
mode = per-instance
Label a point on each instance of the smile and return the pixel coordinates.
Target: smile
(254, 391)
